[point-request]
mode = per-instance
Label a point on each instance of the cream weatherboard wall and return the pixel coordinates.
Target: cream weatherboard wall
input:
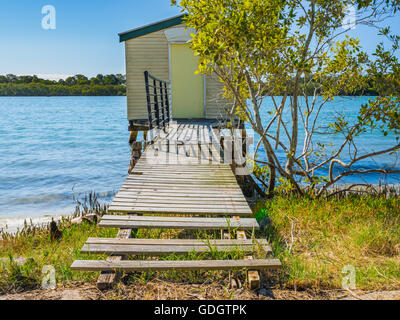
(150, 52)
(146, 53)
(216, 106)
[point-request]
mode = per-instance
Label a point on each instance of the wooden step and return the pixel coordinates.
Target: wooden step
(166, 246)
(189, 265)
(153, 222)
(166, 210)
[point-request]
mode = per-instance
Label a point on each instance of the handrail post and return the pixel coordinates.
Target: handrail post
(162, 106)
(156, 106)
(167, 104)
(146, 80)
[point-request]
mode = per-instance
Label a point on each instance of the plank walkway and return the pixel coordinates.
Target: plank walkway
(170, 179)
(178, 181)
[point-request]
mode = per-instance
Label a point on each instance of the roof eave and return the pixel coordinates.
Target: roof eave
(150, 28)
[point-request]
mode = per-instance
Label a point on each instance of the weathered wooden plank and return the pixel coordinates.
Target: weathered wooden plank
(161, 210)
(180, 178)
(188, 190)
(214, 187)
(179, 190)
(149, 175)
(228, 205)
(142, 164)
(192, 170)
(168, 225)
(200, 202)
(179, 181)
(175, 170)
(185, 157)
(182, 183)
(182, 191)
(181, 200)
(163, 173)
(150, 152)
(217, 206)
(245, 222)
(163, 195)
(163, 249)
(176, 225)
(220, 191)
(185, 168)
(178, 242)
(189, 265)
(130, 194)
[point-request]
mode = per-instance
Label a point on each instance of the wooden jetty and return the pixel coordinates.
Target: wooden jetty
(180, 181)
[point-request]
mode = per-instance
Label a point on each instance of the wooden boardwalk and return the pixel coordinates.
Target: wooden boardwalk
(181, 174)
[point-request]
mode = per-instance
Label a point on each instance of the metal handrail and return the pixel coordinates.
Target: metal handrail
(158, 101)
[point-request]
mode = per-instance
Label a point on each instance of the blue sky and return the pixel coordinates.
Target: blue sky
(85, 39)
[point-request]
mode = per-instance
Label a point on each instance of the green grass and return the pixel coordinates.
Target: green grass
(316, 239)
(40, 251)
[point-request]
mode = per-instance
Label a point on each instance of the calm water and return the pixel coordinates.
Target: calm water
(54, 148)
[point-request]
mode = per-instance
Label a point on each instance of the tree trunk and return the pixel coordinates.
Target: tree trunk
(272, 178)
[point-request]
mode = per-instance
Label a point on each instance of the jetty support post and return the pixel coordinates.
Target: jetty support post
(137, 146)
(136, 153)
(253, 276)
(107, 279)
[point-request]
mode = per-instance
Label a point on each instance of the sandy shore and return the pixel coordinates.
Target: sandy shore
(11, 225)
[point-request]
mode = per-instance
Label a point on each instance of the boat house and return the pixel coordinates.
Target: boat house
(162, 49)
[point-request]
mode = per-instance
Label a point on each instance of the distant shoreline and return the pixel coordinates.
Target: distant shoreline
(78, 85)
(55, 96)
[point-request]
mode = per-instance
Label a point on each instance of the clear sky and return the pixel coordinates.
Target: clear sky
(85, 40)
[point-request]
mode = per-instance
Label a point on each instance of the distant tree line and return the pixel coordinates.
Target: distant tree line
(78, 85)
